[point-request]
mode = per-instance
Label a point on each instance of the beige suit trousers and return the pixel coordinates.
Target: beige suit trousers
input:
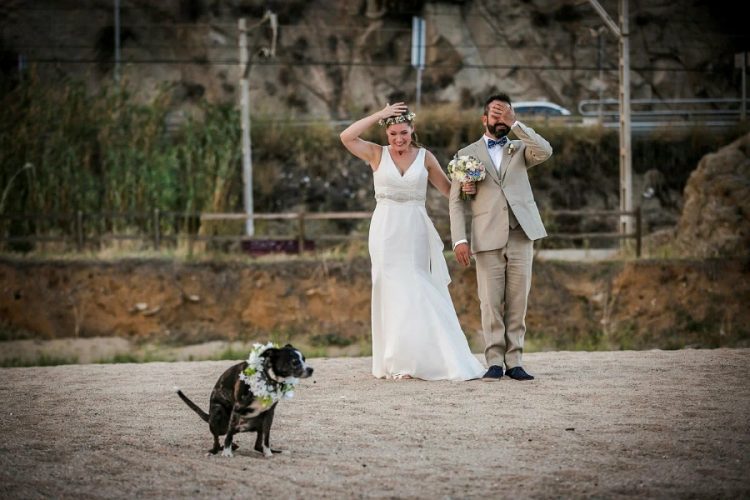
(504, 281)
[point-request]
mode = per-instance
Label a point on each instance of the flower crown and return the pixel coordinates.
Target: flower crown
(392, 120)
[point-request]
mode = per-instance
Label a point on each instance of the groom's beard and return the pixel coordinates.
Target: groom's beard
(498, 130)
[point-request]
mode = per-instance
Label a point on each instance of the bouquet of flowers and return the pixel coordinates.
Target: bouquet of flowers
(466, 169)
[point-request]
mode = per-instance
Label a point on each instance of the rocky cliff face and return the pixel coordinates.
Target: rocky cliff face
(715, 220)
(340, 58)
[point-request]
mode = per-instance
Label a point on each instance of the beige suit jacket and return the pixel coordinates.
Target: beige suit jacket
(489, 208)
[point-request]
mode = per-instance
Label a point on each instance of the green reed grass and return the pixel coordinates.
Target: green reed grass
(109, 151)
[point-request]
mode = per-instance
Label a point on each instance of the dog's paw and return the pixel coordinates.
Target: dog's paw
(267, 452)
(227, 452)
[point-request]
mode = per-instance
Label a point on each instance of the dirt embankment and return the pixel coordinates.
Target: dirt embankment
(634, 304)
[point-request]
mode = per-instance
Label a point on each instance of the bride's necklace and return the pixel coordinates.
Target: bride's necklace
(400, 155)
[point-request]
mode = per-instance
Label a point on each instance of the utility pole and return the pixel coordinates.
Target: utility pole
(117, 41)
(626, 161)
(247, 157)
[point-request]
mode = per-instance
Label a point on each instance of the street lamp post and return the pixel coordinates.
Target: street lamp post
(418, 52)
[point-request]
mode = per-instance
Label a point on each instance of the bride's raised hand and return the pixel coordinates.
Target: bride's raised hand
(389, 110)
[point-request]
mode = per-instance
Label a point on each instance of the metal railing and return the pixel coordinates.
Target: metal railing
(645, 114)
(74, 228)
(650, 113)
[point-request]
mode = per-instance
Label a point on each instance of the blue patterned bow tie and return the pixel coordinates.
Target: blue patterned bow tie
(500, 142)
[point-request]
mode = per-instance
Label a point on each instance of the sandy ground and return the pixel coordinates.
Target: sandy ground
(603, 424)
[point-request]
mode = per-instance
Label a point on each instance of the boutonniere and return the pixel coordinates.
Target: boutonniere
(511, 149)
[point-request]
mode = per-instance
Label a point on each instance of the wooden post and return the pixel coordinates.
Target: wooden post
(638, 232)
(301, 232)
(157, 232)
(189, 234)
(79, 230)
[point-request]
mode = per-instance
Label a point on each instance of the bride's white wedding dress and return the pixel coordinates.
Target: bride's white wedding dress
(415, 330)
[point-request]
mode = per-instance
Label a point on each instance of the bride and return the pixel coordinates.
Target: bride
(415, 330)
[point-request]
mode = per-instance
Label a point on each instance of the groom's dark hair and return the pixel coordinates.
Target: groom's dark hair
(497, 97)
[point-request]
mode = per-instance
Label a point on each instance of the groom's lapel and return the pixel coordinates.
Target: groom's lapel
(506, 161)
(480, 151)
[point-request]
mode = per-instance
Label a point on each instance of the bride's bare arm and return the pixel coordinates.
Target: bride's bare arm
(436, 175)
(365, 150)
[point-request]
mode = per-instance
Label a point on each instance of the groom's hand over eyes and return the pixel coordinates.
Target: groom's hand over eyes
(463, 253)
(503, 112)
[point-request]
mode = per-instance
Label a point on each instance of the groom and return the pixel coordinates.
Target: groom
(504, 223)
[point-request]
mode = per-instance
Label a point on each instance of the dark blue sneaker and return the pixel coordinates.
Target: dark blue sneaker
(519, 373)
(493, 373)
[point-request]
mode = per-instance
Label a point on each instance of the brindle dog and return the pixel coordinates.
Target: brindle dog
(233, 407)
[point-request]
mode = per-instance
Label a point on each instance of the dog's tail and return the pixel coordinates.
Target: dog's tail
(192, 405)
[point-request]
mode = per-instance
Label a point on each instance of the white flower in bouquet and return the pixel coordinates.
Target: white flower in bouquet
(466, 169)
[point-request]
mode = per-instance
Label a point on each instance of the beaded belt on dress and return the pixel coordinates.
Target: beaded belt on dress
(399, 196)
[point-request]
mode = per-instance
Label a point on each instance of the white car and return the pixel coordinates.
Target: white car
(539, 108)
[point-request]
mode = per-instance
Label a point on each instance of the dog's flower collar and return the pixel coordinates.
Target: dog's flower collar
(266, 391)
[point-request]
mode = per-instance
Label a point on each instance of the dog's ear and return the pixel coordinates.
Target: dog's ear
(289, 345)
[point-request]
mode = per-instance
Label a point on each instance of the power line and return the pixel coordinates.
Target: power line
(235, 62)
(686, 20)
(318, 46)
(347, 28)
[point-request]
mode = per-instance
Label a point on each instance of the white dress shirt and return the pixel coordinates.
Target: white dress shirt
(496, 155)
